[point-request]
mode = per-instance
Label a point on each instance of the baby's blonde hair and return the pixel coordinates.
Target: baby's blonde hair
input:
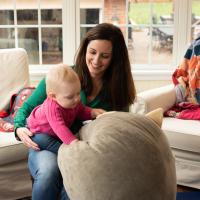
(59, 75)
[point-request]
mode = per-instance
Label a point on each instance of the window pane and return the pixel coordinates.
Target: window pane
(28, 39)
(115, 12)
(45, 50)
(84, 30)
(162, 44)
(152, 32)
(156, 12)
(162, 12)
(7, 35)
(7, 39)
(89, 16)
(51, 45)
(139, 12)
(51, 16)
(51, 13)
(27, 17)
(195, 19)
(6, 17)
(139, 47)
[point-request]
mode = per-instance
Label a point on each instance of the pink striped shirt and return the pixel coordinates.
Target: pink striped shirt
(52, 119)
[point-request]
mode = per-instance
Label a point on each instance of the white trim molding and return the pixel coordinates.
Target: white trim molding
(37, 75)
(152, 75)
(69, 30)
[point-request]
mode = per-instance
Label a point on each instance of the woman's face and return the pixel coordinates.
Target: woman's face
(98, 57)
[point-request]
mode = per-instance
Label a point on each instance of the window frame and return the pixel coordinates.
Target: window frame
(181, 40)
(70, 13)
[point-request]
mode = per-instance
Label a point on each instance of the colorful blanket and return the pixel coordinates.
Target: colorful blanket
(16, 101)
(186, 79)
(184, 110)
(187, 76)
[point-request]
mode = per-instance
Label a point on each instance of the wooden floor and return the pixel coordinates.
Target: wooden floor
(181, 188)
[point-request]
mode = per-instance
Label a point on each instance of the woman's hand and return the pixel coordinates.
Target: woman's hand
(106, 113)
(24, 134)
(96, 112)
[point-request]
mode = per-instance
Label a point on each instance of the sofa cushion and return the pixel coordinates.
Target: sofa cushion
(182, 134)
(11, 150)
(15, 181)
(14, 73)
(163, 97)
(122, 156)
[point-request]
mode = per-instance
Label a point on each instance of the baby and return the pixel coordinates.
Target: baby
(50, 122)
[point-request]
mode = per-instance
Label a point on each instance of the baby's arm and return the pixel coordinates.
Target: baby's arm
(57, 123)
(87, 113)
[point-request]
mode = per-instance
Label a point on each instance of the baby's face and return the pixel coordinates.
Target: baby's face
(68, 95)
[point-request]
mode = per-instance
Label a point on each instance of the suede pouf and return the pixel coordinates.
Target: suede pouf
(122, 156)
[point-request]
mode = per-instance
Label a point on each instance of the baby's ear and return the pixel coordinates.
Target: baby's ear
(51, 95)
(156, 115)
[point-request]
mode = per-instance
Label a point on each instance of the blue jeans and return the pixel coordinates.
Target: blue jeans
(48, 183)
(47, 142)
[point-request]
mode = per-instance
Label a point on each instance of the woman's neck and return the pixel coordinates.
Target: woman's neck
(97, 85)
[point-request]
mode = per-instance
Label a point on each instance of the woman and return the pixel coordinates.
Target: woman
(103, 66)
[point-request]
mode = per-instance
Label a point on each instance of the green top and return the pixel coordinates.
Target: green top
(38, 97)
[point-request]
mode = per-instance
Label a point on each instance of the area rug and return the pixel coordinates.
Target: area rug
(195, 195)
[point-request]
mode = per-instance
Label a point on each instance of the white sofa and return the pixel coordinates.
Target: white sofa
(183, 135)
(15, 181)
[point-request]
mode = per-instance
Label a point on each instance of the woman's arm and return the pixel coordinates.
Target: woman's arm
(37, 97)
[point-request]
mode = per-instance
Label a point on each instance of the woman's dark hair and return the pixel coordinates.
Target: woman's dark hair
(118, 84)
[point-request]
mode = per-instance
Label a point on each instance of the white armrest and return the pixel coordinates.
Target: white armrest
(163, 97)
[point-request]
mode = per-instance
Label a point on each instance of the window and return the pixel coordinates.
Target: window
(152, 25)
(88, 18)
(157, 32)
(147, 27)
(35, 26)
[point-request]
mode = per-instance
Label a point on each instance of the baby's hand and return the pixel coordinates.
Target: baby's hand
(8, 127)
(96, 112)
(76, 140)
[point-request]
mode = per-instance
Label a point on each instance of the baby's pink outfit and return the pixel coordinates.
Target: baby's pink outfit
(50, 118)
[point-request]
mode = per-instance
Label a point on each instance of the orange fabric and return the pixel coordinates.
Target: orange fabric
(188, 74)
